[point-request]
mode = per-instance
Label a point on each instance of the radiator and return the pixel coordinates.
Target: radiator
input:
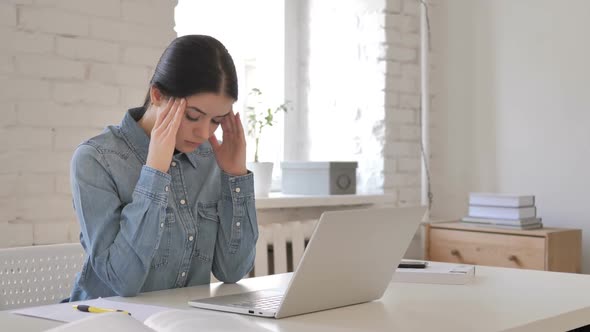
(280, 246)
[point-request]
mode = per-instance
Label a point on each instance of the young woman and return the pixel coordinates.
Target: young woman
(161, 202)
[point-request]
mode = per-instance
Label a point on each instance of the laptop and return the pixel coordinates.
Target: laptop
(350, 259)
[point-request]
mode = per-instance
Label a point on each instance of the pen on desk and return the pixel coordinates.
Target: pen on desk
(88, 308)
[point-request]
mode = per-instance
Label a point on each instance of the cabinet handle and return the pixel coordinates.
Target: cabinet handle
(513, 258)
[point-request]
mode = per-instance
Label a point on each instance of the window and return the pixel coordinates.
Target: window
(253, 32)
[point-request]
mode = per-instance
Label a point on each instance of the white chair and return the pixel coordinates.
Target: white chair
(280, 246)
(37, 275)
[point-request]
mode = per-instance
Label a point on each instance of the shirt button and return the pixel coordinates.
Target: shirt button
(173, 164)
(182, 202)
(166, 188)
(161, 225)
(238, 224)
(183, 274)
(238, 189)
(191, 238)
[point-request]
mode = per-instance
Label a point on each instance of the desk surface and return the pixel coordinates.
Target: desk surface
(498, 299)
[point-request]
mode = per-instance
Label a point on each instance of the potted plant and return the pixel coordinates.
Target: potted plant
(260, 116)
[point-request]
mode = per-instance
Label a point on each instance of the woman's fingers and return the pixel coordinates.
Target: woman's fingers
(224, 125)
(214, 143)
(233, 122)
(233, 129)
(231, 153)
(163, 112)
(162, 140)
(240, 127)
(176, 117)
(170, 114)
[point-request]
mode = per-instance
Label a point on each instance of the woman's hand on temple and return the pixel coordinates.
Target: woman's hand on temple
(231, 153)
(163, 134)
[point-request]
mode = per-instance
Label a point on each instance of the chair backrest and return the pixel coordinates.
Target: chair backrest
(38, 275)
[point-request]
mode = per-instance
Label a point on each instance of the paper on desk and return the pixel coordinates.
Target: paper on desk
(436, 267)
(64, 312)
(166, 321)
(205, 320)
(437, 273)
(114, 322)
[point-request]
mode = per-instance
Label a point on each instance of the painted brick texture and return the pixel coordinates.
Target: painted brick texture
(67, 69)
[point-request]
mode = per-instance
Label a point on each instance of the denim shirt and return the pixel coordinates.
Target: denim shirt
(144, 230)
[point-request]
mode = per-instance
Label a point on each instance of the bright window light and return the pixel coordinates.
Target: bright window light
(253, 32)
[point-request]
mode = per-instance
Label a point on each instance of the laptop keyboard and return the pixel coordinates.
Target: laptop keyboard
(263, 303)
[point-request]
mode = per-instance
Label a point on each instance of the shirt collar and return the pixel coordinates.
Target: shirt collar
(203, 151)
(139, 141)
(134, 135)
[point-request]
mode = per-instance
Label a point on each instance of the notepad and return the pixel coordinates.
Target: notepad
(64, 312)
(164, 321)
(437, 273)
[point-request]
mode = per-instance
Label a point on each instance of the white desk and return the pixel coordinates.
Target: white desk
(499, 299)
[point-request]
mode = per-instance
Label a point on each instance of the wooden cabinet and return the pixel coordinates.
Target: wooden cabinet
(552, 249)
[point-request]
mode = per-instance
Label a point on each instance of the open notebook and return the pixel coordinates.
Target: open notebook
(164, 321)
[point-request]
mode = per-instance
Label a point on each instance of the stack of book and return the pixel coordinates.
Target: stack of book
(503, 211)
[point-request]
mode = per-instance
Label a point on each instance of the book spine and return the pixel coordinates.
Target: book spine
(511, 222)
(502, 201)
(518, 227)
(502, 212)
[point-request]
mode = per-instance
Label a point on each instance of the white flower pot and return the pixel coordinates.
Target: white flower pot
(262, 177)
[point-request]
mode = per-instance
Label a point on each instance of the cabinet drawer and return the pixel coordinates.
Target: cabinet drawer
(492, 249)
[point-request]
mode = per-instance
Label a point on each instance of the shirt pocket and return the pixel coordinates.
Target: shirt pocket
(207, 224)
(163, 252)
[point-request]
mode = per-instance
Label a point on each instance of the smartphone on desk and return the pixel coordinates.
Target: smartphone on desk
(407, 264)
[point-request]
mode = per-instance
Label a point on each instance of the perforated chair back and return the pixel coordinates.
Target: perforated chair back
(38, 275)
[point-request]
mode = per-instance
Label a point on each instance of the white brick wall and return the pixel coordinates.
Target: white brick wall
(18, 42)
(7, 15)
(25, 139)
(402, 147)
(7, 115)
(141, 55)
(102, 8)
(119, 75)
(13, 235)
(49, 20)
(86, 49)
(42, 66)
(14, 88)
(67, 69)
(337, 92)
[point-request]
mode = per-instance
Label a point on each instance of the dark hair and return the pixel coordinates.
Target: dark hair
(193, 64)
